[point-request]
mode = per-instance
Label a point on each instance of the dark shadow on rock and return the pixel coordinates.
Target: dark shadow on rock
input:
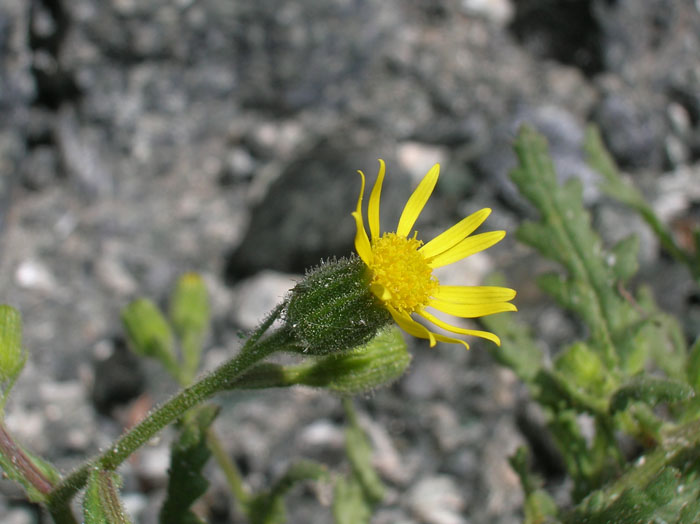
(564, 31)
(305, 215)
(118, 378)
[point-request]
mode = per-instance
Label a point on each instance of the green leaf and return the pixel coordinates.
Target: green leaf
(693, 369)
(663, 337)
(349, 503)
(189, 455)
(518, 350)
(189, 312)
(671, 494)
(149, 333)
(268, 507)
(101, 504)
(564, 235)
(651, 391)
(581, 367)
(623, 258)
(12, 356)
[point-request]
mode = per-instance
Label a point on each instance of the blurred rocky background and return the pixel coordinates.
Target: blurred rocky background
(142, 139)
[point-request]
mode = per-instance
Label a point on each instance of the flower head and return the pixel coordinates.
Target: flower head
(401, 266)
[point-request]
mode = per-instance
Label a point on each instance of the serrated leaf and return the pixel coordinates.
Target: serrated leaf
(268, 507)
(666, 494)
(189, 311)
(349, 503)
(101, 504)
(582, 367)
(651, 391)
(564, 234)
(623, 258)
(189, 455)
(149, 333)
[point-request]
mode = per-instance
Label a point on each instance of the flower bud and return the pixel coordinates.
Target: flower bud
(189, 306)
(12, 356)
(149, 333)
(333, 310)
(378, 363)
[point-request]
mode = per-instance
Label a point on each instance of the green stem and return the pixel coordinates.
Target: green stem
(666, 238)
(31, 475)
(228, 466)
(220, 379)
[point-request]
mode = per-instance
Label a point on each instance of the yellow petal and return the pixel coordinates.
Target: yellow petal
(373, 210)
(362, 245)
(410, 326)
(471, 310)
(417, 201)
(455, 234)
(474, 294)
(462, 331)
(467, 247)
(450, 340)
(380, 292)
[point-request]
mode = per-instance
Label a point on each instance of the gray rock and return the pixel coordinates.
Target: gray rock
(565, 135)
(633, 132)
(305, 215)
(255, 297)
(40, 168)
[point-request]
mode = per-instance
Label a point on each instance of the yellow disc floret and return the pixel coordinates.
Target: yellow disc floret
(400, 274)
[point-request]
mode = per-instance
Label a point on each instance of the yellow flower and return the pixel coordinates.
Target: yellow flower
(401, 266)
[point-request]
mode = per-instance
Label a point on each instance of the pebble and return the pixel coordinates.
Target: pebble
(499, 11)
(19, 516)
(437, 500)
(417, 158)
(35, 275)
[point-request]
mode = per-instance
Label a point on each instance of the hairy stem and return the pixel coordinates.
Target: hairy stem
(22, 464)
(220, 379)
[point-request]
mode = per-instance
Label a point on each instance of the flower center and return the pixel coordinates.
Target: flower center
(399, 268)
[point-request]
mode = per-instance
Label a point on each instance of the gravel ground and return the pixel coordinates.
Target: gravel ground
(141, 140)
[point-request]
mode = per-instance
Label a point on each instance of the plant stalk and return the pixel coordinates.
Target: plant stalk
(220, 379)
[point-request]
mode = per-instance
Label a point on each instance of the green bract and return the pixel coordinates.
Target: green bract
(333, 310)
